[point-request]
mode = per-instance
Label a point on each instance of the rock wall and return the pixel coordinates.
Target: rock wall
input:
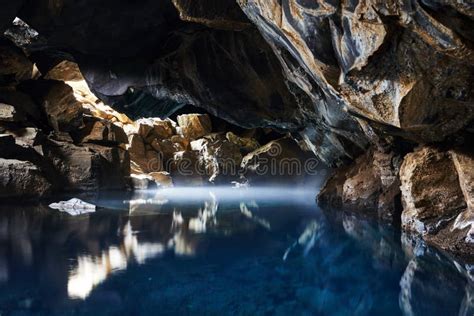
(382, 88)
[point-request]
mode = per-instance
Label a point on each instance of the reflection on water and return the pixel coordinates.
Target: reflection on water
(220, 251)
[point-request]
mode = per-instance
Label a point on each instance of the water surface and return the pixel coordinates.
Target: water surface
(216, 252)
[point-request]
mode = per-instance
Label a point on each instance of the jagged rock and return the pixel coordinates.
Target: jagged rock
(63, 110)
(22, 179)
(431, 194)
(90, 167)
(102, 131)
(369, 186)
(219, 158)
(14, 65)
(162, 179)
(246, 145)
(150, 129)
(456, 234)
(144, 156)
(194, 126)
(280, 160)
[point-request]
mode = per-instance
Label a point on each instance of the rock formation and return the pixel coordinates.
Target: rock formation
(381, 89)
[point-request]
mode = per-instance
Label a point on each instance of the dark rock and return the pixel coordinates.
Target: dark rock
(279, 161)
(8, 13)
(14, 65)
(22, 179)
(89, 167)
(23, 105)
(222, 14)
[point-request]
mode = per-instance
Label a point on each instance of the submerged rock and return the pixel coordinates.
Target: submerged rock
(74, 207)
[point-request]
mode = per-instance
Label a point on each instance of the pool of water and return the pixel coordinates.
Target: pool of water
(217, 252)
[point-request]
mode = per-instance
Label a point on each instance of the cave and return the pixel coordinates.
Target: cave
(241, 157)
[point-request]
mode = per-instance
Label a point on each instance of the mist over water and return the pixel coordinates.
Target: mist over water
(216, 251)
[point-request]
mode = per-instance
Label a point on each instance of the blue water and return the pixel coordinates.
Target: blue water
(224, 251)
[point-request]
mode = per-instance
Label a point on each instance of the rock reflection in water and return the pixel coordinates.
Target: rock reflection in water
(150, 253)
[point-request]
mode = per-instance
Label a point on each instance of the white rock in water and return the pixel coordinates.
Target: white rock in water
(73, 207)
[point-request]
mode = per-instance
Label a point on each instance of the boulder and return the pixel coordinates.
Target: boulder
(89, 167)
(145, 157)
(22, 179)
(369, 186)
(151, 128)
(194, 126)
(65, 71)
(431, 194)
(102, 131)
(220, 159)
(63, 110)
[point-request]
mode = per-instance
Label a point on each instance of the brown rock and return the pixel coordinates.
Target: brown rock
(151, 128)
(162, 179)
(57, 99)
(369, 186)
(22, 179)
(431, 194)
(65, 71)
(194, 126)
(145, 157)
(103, 131)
